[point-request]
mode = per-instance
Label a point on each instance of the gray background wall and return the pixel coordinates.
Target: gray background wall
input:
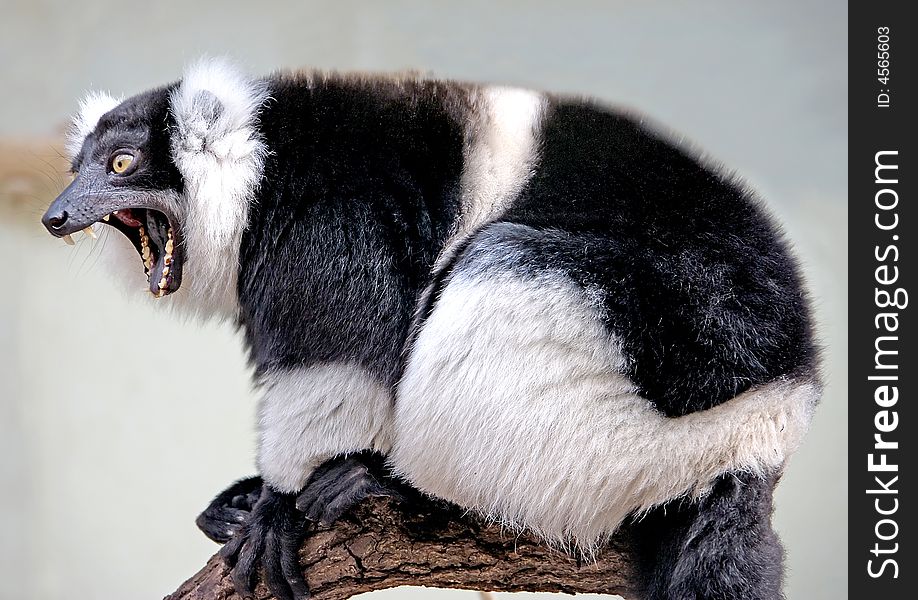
(118, 423)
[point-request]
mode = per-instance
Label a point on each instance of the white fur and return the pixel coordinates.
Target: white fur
(502, 139)
(92, 107)
(514, 404)
(309, 415)
(217, 148)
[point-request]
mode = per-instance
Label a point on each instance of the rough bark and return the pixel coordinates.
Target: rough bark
(386, 543)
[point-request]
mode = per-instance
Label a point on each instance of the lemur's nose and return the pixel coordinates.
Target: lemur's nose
(56, 220)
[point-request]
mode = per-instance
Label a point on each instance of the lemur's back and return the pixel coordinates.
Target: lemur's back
(697, 283)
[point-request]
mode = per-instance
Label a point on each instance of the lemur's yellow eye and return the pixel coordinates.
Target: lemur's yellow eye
(121, 162)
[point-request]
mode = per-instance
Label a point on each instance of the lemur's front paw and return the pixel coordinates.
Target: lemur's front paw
(228, 512)
(270, 532)
(271, 538)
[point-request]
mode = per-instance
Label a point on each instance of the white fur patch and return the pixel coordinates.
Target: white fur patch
(514, 404)
(502, 146)
(219, 151)
(310, 415)
(92, 107)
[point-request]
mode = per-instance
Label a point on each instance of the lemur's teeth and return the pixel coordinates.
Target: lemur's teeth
(162, 283)
(106, 218)
(165, 272)
(169, 246)
(145, 253)
(167, 260)
(91, 232)
(68, 239)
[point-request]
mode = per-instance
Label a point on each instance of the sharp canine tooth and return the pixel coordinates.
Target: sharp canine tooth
(169, 246)
(68, 239)
(106, 218)
(91, 232)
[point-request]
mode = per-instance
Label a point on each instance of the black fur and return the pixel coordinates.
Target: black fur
(342, 483)
(361, 190)
(140, 122)
(719, 548)
(698, 285)
(227, 513)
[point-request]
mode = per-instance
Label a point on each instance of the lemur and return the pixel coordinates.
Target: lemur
(531, 306)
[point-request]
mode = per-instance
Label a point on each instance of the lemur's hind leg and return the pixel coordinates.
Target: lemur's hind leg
(273, 531)
(719, 548)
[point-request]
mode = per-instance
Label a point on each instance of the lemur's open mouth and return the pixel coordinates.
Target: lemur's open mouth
(157, 241)
(156, 234)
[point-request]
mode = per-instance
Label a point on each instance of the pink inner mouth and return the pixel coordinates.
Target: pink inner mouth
(126, 217)
(159, 246)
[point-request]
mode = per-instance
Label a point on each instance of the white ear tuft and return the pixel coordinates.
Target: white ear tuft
(220, 153)
(92, 107)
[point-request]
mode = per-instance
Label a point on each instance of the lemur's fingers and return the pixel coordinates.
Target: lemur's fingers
(222, 523)
(246, 501)
(326, 477)
(321, 491)
(274, 575)
(281, 562)
(331, 509)
(241, 487)
(333, 491)
(223, 517)
(230, 552)
(271, 539)
(290, 565)
(243, 574)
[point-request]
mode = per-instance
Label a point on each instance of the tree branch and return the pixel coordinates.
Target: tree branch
(387, 542)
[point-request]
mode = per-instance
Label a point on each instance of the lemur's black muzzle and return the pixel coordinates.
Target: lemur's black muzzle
(57, 218)
(76, 208)
(137, 213)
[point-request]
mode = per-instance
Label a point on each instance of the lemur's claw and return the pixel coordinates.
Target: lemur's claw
(229, 511)
(340, 484)
(271, 538)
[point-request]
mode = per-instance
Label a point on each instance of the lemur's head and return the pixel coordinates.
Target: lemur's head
(173, 170)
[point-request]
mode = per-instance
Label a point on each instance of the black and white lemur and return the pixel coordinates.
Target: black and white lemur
(531, 306)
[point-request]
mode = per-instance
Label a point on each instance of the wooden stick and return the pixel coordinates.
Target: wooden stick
(387, 542)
